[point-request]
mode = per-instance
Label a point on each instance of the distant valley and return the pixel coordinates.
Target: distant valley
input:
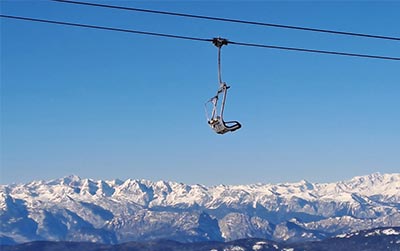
(382, 239)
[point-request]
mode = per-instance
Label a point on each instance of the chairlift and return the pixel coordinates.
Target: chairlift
(216, 120)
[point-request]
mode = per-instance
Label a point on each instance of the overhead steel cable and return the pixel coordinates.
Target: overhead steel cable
(197, 38)
(231, 20)
(313, 51)
(106, 28)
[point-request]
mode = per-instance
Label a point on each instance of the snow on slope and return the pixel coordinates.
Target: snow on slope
(72, 208)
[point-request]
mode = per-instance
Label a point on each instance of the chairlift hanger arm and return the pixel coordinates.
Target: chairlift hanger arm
(219, 42)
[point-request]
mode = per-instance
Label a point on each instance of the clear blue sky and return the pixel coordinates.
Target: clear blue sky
(108, 105)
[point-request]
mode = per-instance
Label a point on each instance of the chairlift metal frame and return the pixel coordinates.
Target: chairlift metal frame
(216, 121)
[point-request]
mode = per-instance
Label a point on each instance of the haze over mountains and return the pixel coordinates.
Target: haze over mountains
(110, 212)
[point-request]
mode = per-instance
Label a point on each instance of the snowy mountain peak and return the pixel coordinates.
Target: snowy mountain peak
(68, 180)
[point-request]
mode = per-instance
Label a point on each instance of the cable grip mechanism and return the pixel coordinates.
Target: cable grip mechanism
(219, 42)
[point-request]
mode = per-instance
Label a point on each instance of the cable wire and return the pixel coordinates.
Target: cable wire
(197, 38)
(233, 20)
(314, 51)
(106, 28)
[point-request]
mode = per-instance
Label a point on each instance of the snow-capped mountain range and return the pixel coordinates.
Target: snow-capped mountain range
(115, 211)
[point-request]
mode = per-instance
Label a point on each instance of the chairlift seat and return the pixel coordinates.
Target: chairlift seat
(220, 126)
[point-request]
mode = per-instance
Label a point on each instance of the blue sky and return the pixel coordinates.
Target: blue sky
(108, 105)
